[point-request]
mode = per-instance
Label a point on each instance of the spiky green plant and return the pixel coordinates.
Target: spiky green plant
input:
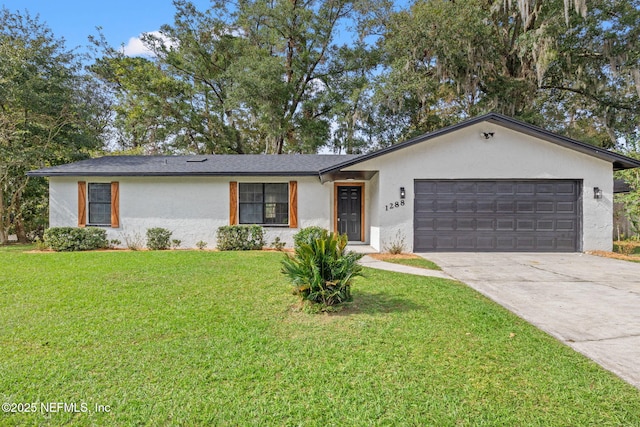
(322, 270)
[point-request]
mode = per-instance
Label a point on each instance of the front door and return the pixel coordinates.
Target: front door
(350, 211)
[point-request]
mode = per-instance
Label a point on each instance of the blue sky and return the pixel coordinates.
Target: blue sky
(121, 20)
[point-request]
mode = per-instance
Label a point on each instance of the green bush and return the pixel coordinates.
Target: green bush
(322, 271)
(240, 238)
(68, 239)
(307, 235)
(158, 238)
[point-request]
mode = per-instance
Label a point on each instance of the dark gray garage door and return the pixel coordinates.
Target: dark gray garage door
(466, 216)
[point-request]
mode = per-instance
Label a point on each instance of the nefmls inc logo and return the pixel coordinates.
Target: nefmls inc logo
(74, 407)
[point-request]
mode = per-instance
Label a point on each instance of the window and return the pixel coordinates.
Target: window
(100, 204)
(264, 203)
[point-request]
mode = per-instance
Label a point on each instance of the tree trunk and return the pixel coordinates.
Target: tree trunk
(4, 232)
(18, 223)
(20, 232)
(279, 144)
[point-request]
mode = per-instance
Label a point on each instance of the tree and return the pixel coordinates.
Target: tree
(559, 64)
(50, 114)
(256, 77)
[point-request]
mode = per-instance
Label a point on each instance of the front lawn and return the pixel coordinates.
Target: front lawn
(208, 338)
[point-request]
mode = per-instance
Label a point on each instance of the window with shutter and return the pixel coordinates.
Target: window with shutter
(99, 204)
(263, 203)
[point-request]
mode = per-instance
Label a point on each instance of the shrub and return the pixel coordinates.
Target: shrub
(625, 247)
(67, 239)
(114, 243)
(40, 244)
(240, 238)
(175, 243)
(201, 244)
(133, 241)
(397, 246)
(307, 235)
(322, 271)
(277, 244)
(158, 238)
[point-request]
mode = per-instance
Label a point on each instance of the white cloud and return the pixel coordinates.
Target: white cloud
(135, 46)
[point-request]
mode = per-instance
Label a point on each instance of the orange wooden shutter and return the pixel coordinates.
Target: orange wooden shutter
(293, 204)
(82, 203)
(233, 203)
(115, 204)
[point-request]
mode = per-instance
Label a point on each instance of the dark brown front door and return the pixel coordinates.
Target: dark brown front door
(350, 212)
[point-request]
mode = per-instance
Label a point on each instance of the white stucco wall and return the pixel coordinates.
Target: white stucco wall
(191, 207)
(464, 154)
(194, 207)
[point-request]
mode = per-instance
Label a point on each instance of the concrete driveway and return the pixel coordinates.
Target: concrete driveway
(590, 303)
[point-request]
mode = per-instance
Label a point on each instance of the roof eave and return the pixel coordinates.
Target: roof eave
(170, 174)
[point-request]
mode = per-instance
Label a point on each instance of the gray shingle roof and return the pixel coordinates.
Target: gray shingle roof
(246, 164)
(298, 164)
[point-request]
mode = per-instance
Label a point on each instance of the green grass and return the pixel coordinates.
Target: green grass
(415, 262)
(207, 338)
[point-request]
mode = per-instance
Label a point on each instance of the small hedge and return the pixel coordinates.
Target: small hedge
(158, 238)
(69, 239)
(240, 238)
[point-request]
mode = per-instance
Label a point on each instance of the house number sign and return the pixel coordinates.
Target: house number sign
(394, 205)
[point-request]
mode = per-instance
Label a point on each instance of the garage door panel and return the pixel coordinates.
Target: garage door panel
(445, 224)
(445, 242)
(446, 187)
(485, 206)
(526, 188)
(545, 242)
(545, 189)
(566, 207)
(565, 245)
(485, 243)
(464, 215)
(470, 188)
(526, 243)
(425, 187)
(485, 224)
(425, 224)
(525, 225)
(545, 224)
(505, 188)
(468, 206)
(465, 242)
(484, 187)
(566, 188)
(505, 224)
(565, 225)
(505, 243)
(505, 206)
(545, 207)
(444, 206)
(425, 205)
(525, 207)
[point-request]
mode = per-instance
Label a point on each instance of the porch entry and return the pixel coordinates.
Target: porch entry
(349, 210)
